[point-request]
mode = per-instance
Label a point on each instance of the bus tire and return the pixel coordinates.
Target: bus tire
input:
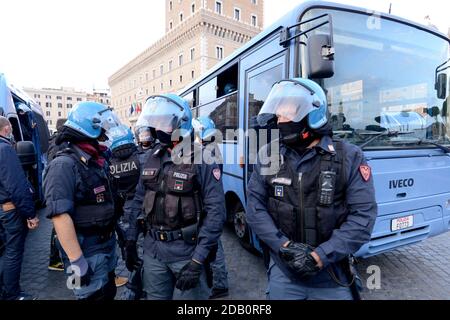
(241, 228)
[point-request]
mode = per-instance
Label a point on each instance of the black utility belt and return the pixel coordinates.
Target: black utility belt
(166, 236)
(188, 234)
(102, 234)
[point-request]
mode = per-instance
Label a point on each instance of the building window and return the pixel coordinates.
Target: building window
(161, 70)
(37, 95)
(181, 78)
(237, 14)
(181, 17)
(218, 7)
(170, 83)
(254, 20)
(154, 89)
(154, 73)
(59, 105)
(47, 113)
(192, 74)
(48, 104)
(170, 5)
(170, 65)
(58, 98)
(170, 25)
(79, 99)
(180, 60)
(219, 53)
(59, 114)
(146, 76)
(193, 8)
(254, 1)
(69, 106)
(48, 97)
(162, 86)
(192, 54)
(69, 98)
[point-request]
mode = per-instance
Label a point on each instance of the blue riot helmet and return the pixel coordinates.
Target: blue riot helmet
(169, 116)
(119, 137)
(229, 88)
(144, 136)
(293, 101)
(91, 119)
(204, 128)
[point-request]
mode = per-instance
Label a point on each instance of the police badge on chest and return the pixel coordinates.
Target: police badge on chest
(100, 194)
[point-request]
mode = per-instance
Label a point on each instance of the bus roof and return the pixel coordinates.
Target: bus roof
(291, 18)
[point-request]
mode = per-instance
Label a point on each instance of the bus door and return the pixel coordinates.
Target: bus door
(259, 82)
(259, 71)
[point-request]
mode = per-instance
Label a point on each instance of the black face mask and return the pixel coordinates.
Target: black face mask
(164, 138)
(296, 134)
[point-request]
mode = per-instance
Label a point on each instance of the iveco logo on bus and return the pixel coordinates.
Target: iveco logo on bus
(402, 183)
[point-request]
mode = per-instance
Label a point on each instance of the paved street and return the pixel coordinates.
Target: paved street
(421, 271)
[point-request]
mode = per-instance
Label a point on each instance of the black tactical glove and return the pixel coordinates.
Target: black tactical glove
(189, 276)
(132, 260)
(299, 259)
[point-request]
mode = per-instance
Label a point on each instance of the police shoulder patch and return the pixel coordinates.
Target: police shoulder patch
(366, 172)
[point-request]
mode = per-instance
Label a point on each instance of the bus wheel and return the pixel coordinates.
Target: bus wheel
(241, 227)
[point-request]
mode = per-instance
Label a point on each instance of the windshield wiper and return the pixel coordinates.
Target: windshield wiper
(383, 134)
(419, 142)
(433, 143)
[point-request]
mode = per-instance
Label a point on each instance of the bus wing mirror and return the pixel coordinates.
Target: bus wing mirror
(2, 112)
(320, 56)
(26, 153)
(441, 86)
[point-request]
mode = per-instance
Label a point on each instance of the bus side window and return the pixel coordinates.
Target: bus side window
(16, 129)
(227, 81)
(190, 98)
(259, 88)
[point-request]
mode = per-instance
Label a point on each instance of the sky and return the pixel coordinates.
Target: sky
(80, 43)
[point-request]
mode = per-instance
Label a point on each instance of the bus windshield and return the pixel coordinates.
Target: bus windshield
(384, 81)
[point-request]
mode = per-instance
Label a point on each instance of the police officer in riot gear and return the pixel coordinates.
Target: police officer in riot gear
(183, 206)
(80, 201)
(319, 208)
(205, 132)
(125, 172)
(144, 137)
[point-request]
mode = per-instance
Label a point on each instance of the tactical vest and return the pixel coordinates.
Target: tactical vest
(172, 198)
(295, 202)
(94, 208)
(125, 174)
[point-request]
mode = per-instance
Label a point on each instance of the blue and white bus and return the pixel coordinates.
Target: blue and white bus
(28, 124)
(376, 69)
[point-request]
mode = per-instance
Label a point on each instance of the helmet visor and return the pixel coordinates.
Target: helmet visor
(161, 114)
(288, 101)
(144, 134)
(108, 120)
